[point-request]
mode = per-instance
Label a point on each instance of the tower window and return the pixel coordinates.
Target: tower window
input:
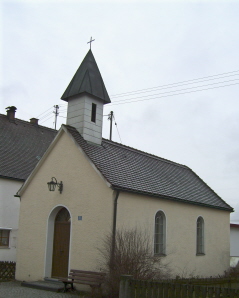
(93, 112)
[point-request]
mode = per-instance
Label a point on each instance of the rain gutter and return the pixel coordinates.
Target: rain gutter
(114, 229)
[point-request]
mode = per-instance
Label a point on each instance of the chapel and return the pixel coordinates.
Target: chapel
(86, 187)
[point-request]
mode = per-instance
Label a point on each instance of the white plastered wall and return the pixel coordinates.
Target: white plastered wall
(85, 193)
(234, 250)
(181, 233)
(9, 215)
(234, 236)
(79, 116)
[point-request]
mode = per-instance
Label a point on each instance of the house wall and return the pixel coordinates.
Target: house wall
(234, 249)
(85, 194)
(234, 237)
(9, 215)
(181, 233)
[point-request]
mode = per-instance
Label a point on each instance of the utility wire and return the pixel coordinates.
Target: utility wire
(50, 112)
(175, 90)
(44, 112)
(117, 129)
(167, 86)
(46, 115)
(177, 83)
(173, 94)
(174, 85)
(46, 119)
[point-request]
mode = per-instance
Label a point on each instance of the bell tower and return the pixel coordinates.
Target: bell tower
(86, 95)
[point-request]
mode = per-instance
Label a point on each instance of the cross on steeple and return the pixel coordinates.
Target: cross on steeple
(91, 40)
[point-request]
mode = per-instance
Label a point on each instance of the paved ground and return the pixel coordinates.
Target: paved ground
(13, 289)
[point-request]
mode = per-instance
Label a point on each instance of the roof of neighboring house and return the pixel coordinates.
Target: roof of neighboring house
(22, 144)
(128, 169)
(234, 225)
(87, 79)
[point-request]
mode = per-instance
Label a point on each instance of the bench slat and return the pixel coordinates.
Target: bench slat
(87, 272)
(86, 277)
(85, 282)
(91, 278)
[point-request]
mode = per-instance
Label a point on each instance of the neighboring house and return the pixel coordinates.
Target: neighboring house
(102, 186)
(234, 251)
(22, 144)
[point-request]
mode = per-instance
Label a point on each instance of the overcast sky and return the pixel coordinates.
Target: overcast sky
(138, 45)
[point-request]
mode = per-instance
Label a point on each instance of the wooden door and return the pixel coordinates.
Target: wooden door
(61, 243)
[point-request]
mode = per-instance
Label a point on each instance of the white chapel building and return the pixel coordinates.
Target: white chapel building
(102, 186)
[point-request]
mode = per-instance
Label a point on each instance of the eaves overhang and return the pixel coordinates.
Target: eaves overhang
(12, 178)
(232, 225)
(93, 96)
(159, 196)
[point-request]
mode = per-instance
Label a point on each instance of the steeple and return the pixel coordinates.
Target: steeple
(86, 95)
(87, 79)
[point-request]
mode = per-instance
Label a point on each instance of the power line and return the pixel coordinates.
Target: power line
(45, 115)
(117, 129)
(173, 94)
(176, 90)
(167, 86)
(141, 90)
(50, 112)
(173, 85)
(46, 119)
(44, 112)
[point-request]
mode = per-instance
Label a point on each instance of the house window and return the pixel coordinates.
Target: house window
(93, 112)
(200, 236)
(4, 238)
(160, 233)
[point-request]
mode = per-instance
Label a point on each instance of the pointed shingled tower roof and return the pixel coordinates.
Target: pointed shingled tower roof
(87, 79)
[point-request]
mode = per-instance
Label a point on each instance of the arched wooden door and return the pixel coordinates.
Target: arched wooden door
(61, 244)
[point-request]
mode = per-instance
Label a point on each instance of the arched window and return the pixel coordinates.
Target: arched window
(200, 236)
(160, 233)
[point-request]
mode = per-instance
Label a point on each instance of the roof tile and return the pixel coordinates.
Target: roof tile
(22, 144)
(132, 170)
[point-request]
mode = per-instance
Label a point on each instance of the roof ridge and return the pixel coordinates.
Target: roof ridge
(29, 123)
(146, 153)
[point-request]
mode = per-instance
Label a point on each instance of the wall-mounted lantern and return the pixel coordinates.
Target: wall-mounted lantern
(53, 183)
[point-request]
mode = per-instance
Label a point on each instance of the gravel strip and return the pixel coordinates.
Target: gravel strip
(13, 289)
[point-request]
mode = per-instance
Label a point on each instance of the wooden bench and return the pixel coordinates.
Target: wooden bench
(91, 278)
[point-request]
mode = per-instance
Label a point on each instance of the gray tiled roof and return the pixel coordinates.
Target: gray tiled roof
(132, 170)
(87, 79)
(22, 144)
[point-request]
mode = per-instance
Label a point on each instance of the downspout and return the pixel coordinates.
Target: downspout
(114, 230)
